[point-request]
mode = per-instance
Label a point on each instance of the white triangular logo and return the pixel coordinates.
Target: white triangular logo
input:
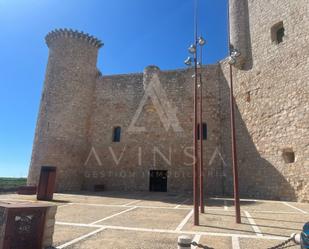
(166, 112)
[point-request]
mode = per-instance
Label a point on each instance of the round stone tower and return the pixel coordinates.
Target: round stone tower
(239, 29)
(63, 126)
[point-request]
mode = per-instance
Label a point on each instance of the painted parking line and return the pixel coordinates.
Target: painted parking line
(235, 242)
(112, 216)
(67, 195)
(225, 206)
(61, 223)
(255, 228)
(132, 202)
(185, 208)
(195, 232)
(178, 206)
(296, 208)
(98, 204)
(80, 238)
(273, 212)
(65, 205)
(158, 207)
(232, 199)
(153, 230)
(138, 206)
(141, 206)
(196, 239)
(184, 221)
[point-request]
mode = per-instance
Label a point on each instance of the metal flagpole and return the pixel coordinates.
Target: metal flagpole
(195, 170)
(197, 166)
(233, 133)
(202, 207)
(234, 151)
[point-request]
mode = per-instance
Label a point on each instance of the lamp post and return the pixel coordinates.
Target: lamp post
(198, 162)
(201, 42)
(234, 54)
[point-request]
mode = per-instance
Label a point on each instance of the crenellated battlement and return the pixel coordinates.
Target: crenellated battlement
(69, 33)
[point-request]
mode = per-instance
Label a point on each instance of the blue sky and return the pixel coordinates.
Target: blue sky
(136, 33)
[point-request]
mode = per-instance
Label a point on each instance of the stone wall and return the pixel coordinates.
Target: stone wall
(272, 97)
(121, 100)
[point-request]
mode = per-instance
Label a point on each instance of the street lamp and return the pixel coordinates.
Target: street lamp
(232, 60)
(234, 54)
(201, 41)
(188, 61)
(192, 49)
(198, 164)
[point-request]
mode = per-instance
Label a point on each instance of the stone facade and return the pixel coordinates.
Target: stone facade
(126, 165)
(80, 109)
(272, 97)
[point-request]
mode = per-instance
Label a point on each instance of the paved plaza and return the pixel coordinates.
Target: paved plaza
(155, 220)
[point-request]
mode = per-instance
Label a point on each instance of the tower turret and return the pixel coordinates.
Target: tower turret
(63, 126)
(239, 29)
(149, 72)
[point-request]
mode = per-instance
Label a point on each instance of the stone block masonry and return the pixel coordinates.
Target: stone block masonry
(272, 96)
(152, 112)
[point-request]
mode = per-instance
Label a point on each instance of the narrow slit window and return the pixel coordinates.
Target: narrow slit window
(288, 155)
(117, 134)
(280, 34)
(204, 131)
(277, 33)
(248, 96)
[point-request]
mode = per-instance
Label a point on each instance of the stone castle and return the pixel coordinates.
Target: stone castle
(134, 131)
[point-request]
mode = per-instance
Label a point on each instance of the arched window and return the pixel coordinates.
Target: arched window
(117, 134)
(204, 131)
